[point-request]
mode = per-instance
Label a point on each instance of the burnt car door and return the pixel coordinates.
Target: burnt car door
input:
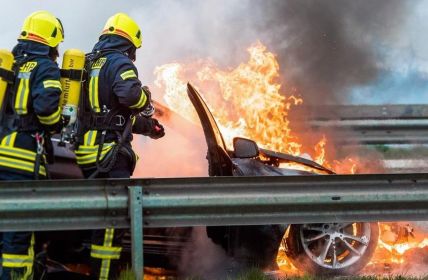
(249, 245)
(220, 163)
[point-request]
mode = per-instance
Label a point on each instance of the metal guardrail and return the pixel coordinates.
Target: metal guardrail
(404, 165)
(375, 131)
(214, 201)
(358, 112)
(370, 124)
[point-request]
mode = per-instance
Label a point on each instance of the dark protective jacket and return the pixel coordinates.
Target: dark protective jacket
(33, 105)
(112, 86)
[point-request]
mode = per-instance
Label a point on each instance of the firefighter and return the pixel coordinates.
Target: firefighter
(114, 106)
(30, 113)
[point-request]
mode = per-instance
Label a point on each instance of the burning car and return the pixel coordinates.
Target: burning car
(331, 248)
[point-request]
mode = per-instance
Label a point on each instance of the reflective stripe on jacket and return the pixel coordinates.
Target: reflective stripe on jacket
(113, 85)
(36, 95)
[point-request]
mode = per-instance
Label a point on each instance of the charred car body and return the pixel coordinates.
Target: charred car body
(331, 248)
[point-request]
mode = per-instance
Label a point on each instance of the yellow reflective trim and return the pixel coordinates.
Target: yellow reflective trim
(105, 255)
(93, 138)
(141, 102)
(24, 258)
(105, 269)
(28, 67)
(128, 75)
(20, 165)
(93, 84)
(51, 119)
(9, 140)
(29, 272)
(90, 138)
(105, 263)
(108, 237)
(52, 84)
(18, 152)
(99, 63)
(85, 137)
(27, 94)
(92, 149)
(21, 261)
(107, 249)
(91, 91)
(91, 158)
(93, 94)
(16, 262)
(21, 99)
(96, 101)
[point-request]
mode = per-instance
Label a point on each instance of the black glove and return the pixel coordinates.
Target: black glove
(157, 130)
(148, 127)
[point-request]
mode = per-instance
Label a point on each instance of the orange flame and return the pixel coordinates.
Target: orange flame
(246, 101)
(396, 245)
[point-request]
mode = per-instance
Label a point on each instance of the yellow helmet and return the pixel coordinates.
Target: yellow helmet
(43, 27)
(121, 24)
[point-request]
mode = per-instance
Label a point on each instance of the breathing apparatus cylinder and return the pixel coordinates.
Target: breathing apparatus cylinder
(72, 69)
(6, 63)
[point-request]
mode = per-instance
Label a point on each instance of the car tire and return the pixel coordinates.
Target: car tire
(305, 247)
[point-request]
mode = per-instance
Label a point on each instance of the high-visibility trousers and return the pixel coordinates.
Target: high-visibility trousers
(18, 247)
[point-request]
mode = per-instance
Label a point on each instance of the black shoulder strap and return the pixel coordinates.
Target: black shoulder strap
(72, 74)
(7, 75)
(85, 114)
(7, 113)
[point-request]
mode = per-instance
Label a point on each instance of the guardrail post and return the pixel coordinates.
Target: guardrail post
(136, 215)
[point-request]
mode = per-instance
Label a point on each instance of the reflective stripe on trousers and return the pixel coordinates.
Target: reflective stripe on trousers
(106, 253)
(13, 263)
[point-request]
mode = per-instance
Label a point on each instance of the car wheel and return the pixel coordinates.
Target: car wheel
(336, 248)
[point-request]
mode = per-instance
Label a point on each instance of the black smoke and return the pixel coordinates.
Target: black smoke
(327, 47)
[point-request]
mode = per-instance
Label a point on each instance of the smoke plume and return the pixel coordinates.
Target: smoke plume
(327, 47)
(201, 258)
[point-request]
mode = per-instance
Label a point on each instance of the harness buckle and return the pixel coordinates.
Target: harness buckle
(40, 142)
(120, 120)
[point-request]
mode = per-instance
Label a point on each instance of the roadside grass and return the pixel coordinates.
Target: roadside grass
(255, 274)
(127, 274)
(354, 278)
